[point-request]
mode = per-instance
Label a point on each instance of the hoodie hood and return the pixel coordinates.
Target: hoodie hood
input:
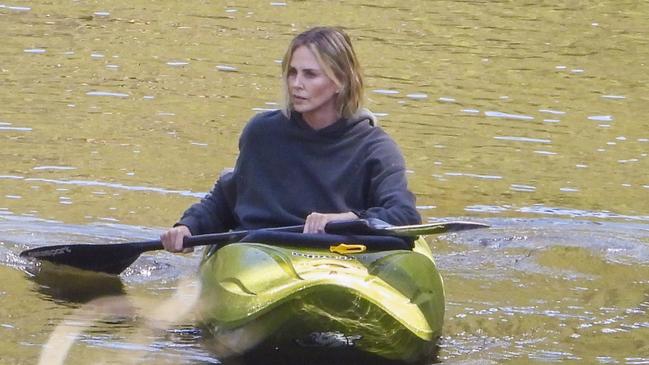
(362, 115)
(337, 129)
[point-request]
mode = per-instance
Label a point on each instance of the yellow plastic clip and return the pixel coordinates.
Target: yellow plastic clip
(345, 248)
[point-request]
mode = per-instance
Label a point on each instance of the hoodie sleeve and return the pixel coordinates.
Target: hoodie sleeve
(388, 196)
(214, 213)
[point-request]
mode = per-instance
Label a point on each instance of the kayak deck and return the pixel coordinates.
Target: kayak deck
(299, 299)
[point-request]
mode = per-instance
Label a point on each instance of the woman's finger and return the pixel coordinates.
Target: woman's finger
(172, 240)
(316, 222)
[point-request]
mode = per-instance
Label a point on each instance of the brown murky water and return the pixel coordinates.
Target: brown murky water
(531, 116)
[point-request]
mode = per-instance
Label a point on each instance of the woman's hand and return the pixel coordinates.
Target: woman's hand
(172, 240)
(316, 222)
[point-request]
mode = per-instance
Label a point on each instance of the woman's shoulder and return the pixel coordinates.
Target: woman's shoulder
(269, 116)
(368, 123)
(374, 134)
(378, 141)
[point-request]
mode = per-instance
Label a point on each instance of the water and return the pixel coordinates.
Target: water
(530, 117)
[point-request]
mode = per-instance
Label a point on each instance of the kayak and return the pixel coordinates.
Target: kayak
(296, 299)
(299, 299)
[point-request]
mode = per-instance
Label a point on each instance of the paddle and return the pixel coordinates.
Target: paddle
(116, 257)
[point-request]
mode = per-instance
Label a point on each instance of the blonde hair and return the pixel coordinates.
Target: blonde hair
(335, 54)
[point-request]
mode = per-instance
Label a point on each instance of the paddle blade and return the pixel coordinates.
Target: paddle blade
(374, 226)
(434, 228)
(106, 258)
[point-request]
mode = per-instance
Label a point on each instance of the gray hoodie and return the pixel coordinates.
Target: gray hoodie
(287, 170)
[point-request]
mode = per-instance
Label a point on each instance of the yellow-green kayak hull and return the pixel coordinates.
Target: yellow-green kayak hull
(388, 304)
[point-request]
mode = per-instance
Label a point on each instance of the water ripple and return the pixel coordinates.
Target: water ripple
(523, 139)
(15, 8)
(471, 111)
(54, 168)
(551, 111)
(35, 50)
(177, 63)
(636, 361)
(522, 188)
(417, 96)
(20, 129)
(508, 116)
(477, 176)
(118, 186)
(107, 93)
(557, 211)
(446, 100)
(226, 68)
(554, 356)
(601, 118)
(385, 92)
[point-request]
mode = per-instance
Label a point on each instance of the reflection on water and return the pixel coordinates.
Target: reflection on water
(531, 116)
(536, 289)
(74, 286)
(540, 209)
(575, 291)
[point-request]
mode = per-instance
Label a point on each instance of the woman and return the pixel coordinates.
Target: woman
(320, 158)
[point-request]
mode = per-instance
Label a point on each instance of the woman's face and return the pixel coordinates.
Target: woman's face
(312, 92)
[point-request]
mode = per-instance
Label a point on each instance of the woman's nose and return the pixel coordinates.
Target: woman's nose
(296, 81)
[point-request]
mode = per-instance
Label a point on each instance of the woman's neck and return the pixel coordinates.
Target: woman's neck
(321, 119)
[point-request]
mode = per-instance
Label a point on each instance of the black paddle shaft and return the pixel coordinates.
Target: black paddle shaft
(74, 254)
(115, 258)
